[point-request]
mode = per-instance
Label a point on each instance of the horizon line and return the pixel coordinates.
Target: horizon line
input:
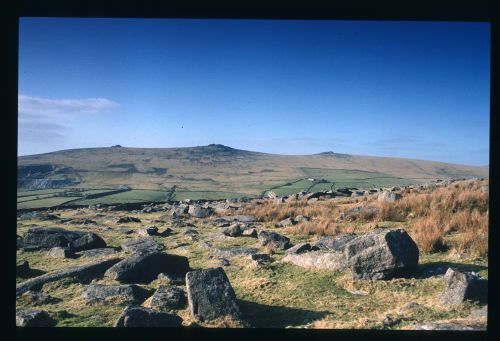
(252, 151)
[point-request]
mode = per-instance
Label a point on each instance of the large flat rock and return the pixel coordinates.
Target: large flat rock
(145, 267)
(83, 273)
(334, 261)
(46, 238)
(144, 317)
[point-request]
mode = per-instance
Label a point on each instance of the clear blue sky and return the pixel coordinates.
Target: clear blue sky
(403, 89)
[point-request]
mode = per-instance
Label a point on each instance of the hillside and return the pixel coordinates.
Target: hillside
(219, 170)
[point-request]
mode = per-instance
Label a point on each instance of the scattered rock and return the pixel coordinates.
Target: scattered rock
(390, 321)
(274, 239)
(140, 245)
(287, 222)
(356, 213)
(167, 232)
(124, 230)
(145, 267)
(148, 231)
(23, 269)
(198, 211)
(250, 233)
(301, 219)
(33, 318)
(144, 317)
(191, 232)
(124, 220)
(299, 248)
(388, 197)
(260, 259)
(168, 297)
(210, 295)
(60, 252)
(412, 306)
(462, 286)
(94, 293)
(233, 231)
(37, 298)
(178, 211)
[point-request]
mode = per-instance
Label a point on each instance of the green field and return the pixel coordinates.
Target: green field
(46, 202)
(27, 193)
(135, 195)
(34, 197)
(328, 179)
(207, 195)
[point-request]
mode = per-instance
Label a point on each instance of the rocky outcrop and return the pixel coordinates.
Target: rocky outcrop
(210, 295)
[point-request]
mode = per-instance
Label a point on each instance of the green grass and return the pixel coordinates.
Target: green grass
(208, 195)
(34, 197)
(46, 202)
(279, 295)
(135, 195)
(337, 178)
(26, 193)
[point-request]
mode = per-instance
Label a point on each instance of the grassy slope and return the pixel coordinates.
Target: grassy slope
(223, 169)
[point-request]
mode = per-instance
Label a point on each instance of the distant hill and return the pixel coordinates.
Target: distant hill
(220, 168)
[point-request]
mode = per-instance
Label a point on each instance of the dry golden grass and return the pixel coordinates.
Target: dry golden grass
(461, 208)
(452, 217)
